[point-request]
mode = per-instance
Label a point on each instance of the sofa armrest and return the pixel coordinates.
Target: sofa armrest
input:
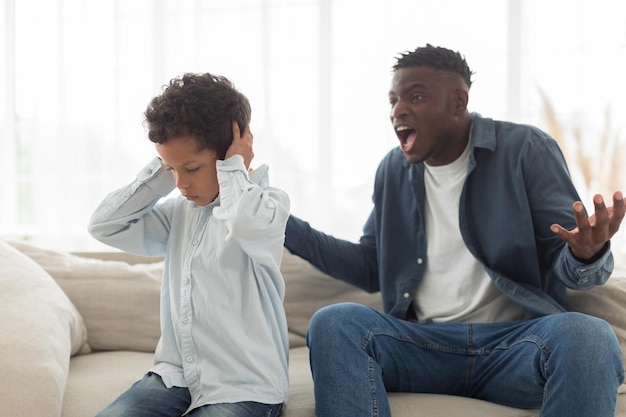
(40, 329)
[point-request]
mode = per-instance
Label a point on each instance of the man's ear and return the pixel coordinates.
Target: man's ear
(460, 100)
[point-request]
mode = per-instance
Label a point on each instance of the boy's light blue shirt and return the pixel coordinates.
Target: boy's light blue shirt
(224, 330)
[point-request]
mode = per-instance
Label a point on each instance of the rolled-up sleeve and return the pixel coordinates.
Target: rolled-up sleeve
(255, 213)
(581, 276)
(117, 219)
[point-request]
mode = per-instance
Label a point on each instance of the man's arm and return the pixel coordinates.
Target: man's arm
(354, 263)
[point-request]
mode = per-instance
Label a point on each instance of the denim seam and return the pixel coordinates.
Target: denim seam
(373, 391)
(367, 340)
(469, 359)
(544, 349)
(532, 339)
(382, 332)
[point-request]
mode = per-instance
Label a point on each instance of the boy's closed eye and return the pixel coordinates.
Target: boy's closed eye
(188, 170)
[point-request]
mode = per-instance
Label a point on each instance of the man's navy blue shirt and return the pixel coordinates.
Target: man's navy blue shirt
(517, 186)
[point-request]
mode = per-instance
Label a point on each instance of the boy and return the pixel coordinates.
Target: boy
(224, 347)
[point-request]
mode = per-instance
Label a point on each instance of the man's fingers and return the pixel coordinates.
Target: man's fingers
(617, 212)
(602, 213)
(580, 215)
(618, 200)
(560, 231)
(592, 233)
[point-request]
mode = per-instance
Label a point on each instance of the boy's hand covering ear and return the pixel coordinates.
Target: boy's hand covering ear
(242, 145)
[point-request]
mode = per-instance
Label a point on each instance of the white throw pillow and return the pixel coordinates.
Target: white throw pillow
(39, 330)
(119, 301)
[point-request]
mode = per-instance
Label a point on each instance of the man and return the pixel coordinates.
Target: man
(476, 232)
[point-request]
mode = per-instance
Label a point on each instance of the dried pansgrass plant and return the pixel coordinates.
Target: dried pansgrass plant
(601, 161)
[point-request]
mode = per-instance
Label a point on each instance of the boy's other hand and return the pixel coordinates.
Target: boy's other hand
(242, 145)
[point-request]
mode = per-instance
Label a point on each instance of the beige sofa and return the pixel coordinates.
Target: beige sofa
(77, 329)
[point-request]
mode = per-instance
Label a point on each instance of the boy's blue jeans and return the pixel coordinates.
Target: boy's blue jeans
(567, 364)
(149, 397)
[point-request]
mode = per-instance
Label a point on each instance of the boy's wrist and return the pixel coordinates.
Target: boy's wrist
(155, 176)
(232, 162)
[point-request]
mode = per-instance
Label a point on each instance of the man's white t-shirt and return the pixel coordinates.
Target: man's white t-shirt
(455, 286)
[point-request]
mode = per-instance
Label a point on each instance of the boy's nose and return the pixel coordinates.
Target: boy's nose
(181, 182)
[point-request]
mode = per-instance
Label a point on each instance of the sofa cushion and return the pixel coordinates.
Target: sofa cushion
(96, 380)
(119, 301)
(308, 290)
(40, 329)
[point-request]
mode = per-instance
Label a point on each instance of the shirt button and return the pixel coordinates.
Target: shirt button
(407, 295)
(189, 359)
(420, 261)
(194, 242)
(186, 280)
(185, 321)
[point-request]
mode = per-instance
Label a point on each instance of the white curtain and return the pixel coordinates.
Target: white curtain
(78, 74)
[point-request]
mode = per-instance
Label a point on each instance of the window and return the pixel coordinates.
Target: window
(78, 75)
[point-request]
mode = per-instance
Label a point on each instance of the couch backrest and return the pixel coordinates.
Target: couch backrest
(118, 295)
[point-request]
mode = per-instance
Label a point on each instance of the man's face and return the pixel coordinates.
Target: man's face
(194, 171)
(425, 108)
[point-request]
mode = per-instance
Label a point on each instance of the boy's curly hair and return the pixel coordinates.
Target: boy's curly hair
(438, 58)
(202, 106)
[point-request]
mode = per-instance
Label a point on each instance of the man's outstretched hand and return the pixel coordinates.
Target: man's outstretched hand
(592, 233)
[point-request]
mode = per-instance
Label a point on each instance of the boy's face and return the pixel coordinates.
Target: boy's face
(194, 171)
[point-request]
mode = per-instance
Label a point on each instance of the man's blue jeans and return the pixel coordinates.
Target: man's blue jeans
(150, 398)
(567, 364)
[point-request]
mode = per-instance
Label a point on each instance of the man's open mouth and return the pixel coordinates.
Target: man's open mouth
(403, 133)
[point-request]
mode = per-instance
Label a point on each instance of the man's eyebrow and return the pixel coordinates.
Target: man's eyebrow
(408, 88)
(414, 86)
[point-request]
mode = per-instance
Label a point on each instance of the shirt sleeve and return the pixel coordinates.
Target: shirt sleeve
(582, 276)
(130, 219)
(255, 213)
(551, 194)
